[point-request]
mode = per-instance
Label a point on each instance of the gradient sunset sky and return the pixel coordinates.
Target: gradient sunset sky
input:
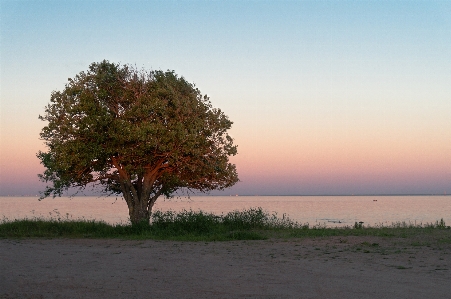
(327, 97)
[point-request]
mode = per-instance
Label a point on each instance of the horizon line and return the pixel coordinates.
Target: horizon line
(249, 195)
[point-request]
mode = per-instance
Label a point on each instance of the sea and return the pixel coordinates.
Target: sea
(331, 211)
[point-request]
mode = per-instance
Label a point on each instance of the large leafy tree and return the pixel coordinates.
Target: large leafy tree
(133, 132)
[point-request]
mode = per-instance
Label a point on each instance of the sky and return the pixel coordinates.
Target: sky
(327, 97)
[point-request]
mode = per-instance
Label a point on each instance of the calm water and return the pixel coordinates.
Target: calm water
(331, 210)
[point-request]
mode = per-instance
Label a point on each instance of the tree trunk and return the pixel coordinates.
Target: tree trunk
(139, 214)
(138, 209)
(139, 195)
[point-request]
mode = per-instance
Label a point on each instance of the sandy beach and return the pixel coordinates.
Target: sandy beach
(333, 267)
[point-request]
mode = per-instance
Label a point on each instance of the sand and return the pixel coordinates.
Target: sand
(333, 267)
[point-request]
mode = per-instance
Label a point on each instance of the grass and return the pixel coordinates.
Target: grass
(252, 224)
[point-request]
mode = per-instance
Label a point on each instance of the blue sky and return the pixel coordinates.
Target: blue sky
(327, 97)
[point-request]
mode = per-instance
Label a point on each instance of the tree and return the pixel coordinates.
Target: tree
(133, 132)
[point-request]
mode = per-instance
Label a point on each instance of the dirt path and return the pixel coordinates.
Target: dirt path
(334, 267)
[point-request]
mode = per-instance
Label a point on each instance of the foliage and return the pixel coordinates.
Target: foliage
(252, 224)
(136, 133)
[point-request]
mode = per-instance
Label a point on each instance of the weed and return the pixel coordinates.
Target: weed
(251, 224)
(358, 225)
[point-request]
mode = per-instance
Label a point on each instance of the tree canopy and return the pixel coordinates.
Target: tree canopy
(133, 132)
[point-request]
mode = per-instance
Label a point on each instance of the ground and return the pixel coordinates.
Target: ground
(331, 267)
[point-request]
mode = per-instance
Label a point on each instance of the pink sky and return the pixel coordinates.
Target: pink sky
(326, 97)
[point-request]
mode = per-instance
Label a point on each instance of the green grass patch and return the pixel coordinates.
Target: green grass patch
(251, 224)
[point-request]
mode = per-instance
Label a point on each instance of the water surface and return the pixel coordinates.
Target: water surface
(329, 210)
